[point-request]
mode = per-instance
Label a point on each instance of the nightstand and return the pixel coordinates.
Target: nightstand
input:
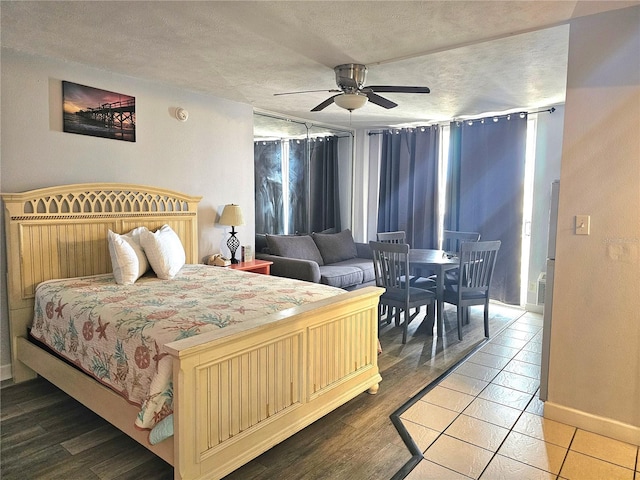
(255, 266)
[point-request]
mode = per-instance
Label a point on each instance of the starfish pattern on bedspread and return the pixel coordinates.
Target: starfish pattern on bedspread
(116, 332)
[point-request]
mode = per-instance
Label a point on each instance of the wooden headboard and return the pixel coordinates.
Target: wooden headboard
(61, 232)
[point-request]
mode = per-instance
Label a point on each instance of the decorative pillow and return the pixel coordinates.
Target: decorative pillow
(335, 247)
(294, 246)
(261, 243)
(128, 260)
(164, 251)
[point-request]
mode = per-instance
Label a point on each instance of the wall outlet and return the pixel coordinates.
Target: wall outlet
(583, 224)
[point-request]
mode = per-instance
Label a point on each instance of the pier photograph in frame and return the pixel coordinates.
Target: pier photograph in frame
(98, 113)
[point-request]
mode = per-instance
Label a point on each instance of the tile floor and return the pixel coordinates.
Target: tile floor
(484, 421)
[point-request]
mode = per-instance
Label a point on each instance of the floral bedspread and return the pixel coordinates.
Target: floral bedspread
(116, 332)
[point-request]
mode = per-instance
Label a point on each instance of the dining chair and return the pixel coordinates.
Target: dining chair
(399, 236)
(391, 264)
(451, 240)
(477, 261)
(392, 237)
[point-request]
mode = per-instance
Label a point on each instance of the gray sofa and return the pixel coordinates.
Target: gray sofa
(330, 258)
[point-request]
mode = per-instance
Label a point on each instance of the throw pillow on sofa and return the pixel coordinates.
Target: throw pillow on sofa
(294, 246)
(336, 247)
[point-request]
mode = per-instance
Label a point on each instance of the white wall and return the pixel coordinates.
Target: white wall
(210, 155)
(594, 372)
(365, 191)
(547, 169)
(345, 180)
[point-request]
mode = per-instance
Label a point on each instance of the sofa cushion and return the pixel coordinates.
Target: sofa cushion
(366, 265)
(294, 246)
(335, 247)
(341, 276)
(261, 243)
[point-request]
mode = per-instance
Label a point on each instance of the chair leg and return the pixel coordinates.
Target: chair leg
(405, 325)
(386, 312)
(431, 317)
(486, 319)
(460, 312)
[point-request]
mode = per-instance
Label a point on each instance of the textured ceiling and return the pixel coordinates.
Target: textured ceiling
(476, 56)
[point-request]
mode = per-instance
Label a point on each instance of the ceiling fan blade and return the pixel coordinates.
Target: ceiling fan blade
(398, 89)
(324, 104)
(306, 91)
(378, 100)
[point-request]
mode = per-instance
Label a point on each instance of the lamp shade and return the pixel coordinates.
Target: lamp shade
(351, 101)
(231, 215)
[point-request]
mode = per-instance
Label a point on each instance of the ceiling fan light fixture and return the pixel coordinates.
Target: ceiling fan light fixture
(351, 101)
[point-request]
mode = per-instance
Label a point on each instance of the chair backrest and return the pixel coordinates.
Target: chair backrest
(451, 239)
(392, 237)
(391, 265)
(477, 261)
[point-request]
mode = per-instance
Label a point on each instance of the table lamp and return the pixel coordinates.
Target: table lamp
(232, 216)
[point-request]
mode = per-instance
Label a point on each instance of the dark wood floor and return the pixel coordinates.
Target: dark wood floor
(46, 434)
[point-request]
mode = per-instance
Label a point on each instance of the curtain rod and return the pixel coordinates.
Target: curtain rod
(307, 124)
(549, 110)
(279, 139)
(380, 132)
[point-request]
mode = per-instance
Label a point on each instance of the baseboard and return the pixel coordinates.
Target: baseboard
(533, 308)
(5, 372)
(593, 423)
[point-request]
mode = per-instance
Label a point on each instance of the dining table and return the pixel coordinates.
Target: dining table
(437, 261)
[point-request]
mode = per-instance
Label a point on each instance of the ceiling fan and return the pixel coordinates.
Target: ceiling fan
(353, 94)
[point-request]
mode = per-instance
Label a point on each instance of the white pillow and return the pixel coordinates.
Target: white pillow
(128, 260)
(164, 251)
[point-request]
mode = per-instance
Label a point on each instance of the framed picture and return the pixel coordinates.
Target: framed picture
(98, 113)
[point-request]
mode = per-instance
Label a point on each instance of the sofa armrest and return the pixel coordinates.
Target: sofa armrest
(364, 250)
(306, 270)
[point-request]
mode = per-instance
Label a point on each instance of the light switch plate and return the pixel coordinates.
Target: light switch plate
(583, 224)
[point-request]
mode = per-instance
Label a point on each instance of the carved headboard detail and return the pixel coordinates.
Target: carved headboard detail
(61, 232)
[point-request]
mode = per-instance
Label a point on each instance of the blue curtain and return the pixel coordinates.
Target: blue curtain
(324, 189)
(268, 186)
(486, 189)
(408, 196)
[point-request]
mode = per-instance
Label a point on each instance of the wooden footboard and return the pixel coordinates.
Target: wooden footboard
(242, 393)
(237, 394)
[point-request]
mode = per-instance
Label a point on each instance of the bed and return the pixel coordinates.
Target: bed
(301, 362)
